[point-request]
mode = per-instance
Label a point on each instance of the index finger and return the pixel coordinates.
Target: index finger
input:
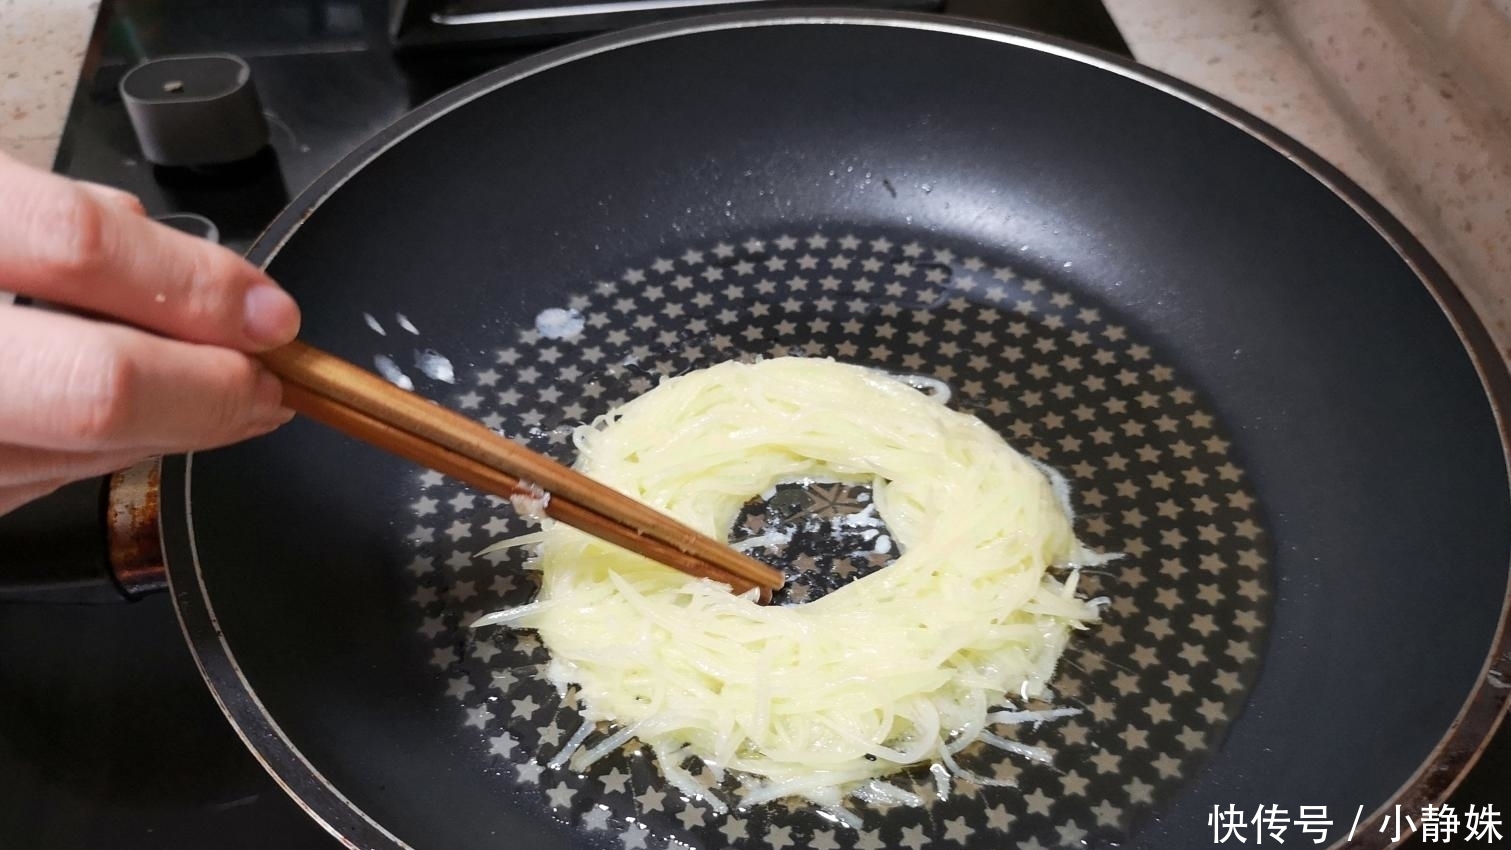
(70, 244)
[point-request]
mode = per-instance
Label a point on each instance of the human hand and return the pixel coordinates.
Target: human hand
(80, 397)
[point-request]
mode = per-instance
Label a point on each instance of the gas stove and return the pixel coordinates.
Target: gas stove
(108, 737)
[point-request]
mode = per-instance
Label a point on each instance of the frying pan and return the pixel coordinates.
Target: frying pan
(1261, 387)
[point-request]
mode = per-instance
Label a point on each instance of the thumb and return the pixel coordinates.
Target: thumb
(78, 245)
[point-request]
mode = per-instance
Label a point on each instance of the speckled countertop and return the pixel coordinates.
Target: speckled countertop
(1411, 98)
(42, 45)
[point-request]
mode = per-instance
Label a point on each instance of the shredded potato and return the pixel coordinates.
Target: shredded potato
(903, 667)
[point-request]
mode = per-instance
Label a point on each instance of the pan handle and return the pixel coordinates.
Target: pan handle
(92, 541)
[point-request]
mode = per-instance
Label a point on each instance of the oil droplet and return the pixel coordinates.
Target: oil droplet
(435, 366)
(556, 323)
(390, 370)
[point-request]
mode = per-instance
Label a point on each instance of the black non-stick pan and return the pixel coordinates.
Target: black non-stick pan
(1261, 387)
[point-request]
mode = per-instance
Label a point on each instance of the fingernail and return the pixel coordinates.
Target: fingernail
(270, 316)
(267, 398)
(112, 195)
(268, 411)
(270, 423)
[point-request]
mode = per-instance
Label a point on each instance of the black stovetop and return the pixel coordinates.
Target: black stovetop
(108, 738)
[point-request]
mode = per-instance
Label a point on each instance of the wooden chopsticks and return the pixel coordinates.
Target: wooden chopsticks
(358, 403)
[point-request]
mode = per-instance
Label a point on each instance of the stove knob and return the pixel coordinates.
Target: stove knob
(193, 224)
(192, 111)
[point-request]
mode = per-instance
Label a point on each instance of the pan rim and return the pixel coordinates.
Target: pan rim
(1465, 739)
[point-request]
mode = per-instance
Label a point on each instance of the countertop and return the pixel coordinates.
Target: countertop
(42, 44)
(1410, 98)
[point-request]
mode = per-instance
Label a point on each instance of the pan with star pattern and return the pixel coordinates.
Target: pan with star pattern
(1261, 388)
